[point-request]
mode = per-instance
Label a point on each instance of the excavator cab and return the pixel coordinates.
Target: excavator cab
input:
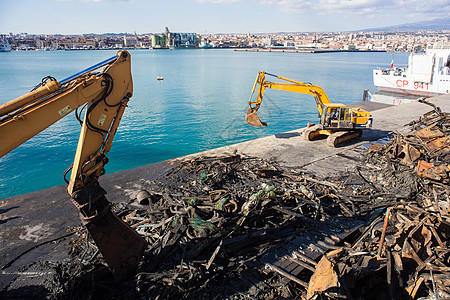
(336, 115)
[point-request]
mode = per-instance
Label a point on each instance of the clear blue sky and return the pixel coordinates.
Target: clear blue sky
(211, 16)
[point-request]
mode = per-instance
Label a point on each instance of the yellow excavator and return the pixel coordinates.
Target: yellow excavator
(339, 122)
(104, 96)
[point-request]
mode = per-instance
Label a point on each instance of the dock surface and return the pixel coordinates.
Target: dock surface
(300, 50)
(34, 226)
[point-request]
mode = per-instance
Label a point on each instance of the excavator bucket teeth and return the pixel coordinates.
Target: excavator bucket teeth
(119, 244)
(252, 118)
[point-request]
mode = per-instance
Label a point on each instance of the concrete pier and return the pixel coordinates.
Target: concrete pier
(304, 50)
(28, 222)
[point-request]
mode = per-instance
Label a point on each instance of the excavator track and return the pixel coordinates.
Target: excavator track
(311, 132)
(342, 137)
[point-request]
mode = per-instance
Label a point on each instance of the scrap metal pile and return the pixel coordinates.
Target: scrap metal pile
(404, 253)
(241, 227)
(211, 225)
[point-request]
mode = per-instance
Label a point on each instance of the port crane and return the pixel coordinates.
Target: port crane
(104, 95)
(337, 121)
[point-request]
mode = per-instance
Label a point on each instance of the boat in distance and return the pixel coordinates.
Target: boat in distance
(4, 45)
(427, 74)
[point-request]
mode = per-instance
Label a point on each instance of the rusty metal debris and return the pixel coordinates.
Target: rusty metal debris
(231, 226)
(241, 227)
(404, 253)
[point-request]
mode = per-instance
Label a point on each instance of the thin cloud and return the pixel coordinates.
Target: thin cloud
(219, 1)
(366, 8)
(331, 7)
(94, 1)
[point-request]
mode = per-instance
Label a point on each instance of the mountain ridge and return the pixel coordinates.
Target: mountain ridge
(433, 25)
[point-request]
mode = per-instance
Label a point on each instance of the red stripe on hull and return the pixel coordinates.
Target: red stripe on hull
(407, 92)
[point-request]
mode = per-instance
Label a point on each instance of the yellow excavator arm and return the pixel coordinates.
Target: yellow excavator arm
(290, 85)
(105, 95)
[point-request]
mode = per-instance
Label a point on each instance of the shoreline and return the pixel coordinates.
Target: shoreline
(243, 49)
(304, 50)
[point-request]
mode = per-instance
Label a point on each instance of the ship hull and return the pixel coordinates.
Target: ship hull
(407, 92)
(404, 84)
(427, 74)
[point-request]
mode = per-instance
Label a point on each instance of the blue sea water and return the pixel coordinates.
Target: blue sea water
(200, 104)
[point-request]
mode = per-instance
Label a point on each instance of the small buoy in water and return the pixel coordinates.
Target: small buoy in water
(159, 78)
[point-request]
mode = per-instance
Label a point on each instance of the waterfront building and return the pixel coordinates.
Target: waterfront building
(130, 41)
(175, 40)
(159, 41)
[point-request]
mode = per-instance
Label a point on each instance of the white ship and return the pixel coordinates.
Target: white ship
(427, 74)
(4, 45)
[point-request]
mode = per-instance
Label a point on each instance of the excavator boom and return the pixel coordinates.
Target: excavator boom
(105, 95)
(290, 85)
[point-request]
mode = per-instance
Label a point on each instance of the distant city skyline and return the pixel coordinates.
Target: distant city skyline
(211, 16)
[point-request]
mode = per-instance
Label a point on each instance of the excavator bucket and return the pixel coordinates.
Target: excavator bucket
(252, 118)
(119, 244)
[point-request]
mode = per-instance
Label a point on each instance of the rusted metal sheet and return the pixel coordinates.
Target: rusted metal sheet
(324, 278)
(429, 132)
